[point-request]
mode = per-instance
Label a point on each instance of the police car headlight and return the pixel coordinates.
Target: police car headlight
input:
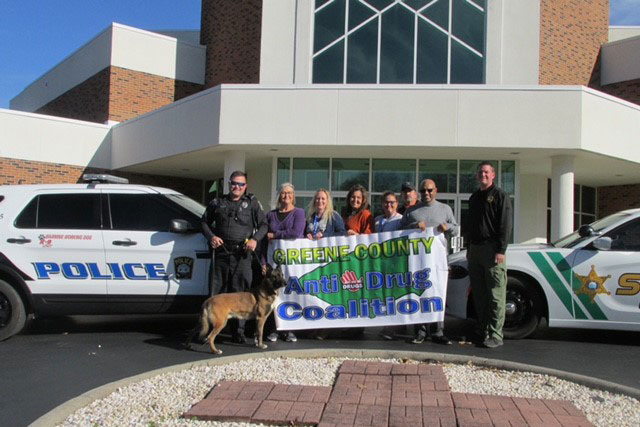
(457, 272)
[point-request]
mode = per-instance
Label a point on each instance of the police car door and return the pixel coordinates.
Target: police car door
(58, 243)
(607, 282)
(154, 266)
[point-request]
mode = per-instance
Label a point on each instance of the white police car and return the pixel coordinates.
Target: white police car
(588, 279)
(98, 249)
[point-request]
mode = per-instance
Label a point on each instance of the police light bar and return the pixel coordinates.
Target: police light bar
(104, 178)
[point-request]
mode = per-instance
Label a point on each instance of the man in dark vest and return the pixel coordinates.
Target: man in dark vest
(233, 225)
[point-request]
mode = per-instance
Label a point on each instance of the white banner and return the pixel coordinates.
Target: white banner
(379, 279)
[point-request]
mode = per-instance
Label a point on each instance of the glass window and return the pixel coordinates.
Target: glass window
(438, 13)
(329, 24)
(144, 212)
(362, 54)
(303, 202)
(389, 174)
(396, 46)
(339, 204)
(69, 211)
(359, 13)
(328, 66)
(347, 172)
(381, 47)
(467, 22)
(310, 174)
(431, 64)
(284, 166)
(466, 66)
(27, 218)
(626, 237)
(508, 178)
(443, 172)
(576, 198)
(588, 204)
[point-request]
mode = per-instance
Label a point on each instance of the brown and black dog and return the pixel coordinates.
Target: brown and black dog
(257, 304)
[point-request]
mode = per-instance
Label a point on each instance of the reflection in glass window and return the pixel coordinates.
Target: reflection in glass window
(310, 174)
(380, 46)
(348, 172)
(588, 200)
(284, 166)
(389, 174)
(508, 178)
(396, 50)
(443, 172)
(69, 211)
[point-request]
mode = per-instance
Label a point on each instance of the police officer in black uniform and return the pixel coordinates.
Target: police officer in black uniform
(234, 224)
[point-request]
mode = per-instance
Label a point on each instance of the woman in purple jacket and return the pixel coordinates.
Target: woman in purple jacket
(285, 222)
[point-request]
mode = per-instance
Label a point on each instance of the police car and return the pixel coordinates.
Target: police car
(98, 248)
(588, 279)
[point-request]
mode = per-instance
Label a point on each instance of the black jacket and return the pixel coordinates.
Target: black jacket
(489, 218)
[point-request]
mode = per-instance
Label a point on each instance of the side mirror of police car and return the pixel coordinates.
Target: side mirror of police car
(587, 231)
(181, 226)
(602, 243)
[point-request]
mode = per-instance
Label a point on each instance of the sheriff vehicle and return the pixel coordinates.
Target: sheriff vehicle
(588, 279)
(98, 248)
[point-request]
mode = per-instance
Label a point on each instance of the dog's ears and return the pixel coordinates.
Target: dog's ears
(269, 269)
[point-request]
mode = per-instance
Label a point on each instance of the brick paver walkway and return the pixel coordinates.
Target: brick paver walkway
(379, 394)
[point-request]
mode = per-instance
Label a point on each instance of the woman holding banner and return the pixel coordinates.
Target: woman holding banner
(358, 218)
(285, 222)
(322, 220)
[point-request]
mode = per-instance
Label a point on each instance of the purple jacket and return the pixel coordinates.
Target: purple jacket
(292, 227)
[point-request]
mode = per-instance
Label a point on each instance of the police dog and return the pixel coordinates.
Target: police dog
(257, 304)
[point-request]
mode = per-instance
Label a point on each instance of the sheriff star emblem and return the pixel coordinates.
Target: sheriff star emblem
(592, 284)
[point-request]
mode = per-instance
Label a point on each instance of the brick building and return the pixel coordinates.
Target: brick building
(327, 93)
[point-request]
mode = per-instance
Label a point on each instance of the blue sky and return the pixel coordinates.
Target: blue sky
(35, 35)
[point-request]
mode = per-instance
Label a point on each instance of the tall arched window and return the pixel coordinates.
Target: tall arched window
(399, 41)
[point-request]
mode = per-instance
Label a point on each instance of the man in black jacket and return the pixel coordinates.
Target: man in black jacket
(488, 230)
(233, 225)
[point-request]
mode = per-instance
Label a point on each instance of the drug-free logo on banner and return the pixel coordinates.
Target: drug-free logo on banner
(368, 280)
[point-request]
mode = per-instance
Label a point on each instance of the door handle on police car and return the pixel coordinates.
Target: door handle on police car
(127, 242)
(19, 241)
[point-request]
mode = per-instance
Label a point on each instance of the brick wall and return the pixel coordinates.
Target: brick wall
(15, 171)
(615, 198)
(231, 30)
(118, 94)
(571, 33)
(132, 93)
(629, 90)
(88, 101)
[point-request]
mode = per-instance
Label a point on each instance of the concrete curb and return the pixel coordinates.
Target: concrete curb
(60, 413)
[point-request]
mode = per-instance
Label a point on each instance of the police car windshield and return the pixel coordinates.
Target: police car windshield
(187, 203)
(574, 238)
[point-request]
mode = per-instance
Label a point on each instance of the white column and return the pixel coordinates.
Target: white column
(233, 161)
(561, 196)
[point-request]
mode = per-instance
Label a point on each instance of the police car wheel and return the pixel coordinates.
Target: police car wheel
(12, 313)
(522, 310)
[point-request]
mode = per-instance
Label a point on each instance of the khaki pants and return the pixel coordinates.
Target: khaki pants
(489, 288)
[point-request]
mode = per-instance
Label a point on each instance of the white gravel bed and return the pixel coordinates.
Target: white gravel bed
(159, 401)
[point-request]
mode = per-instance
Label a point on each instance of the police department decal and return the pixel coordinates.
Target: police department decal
(183, 267)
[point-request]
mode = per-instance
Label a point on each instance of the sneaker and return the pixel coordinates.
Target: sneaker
(441, 339)
(290, 337)
(418, 339)
(272, 337)
(492, 343)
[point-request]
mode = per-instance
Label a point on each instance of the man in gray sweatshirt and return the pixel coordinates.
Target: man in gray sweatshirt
(430, 213)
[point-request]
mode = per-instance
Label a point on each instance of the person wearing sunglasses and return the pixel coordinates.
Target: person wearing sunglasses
(233, 225)
(430, 213)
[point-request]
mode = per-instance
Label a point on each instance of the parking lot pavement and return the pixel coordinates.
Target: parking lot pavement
(57, 360)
